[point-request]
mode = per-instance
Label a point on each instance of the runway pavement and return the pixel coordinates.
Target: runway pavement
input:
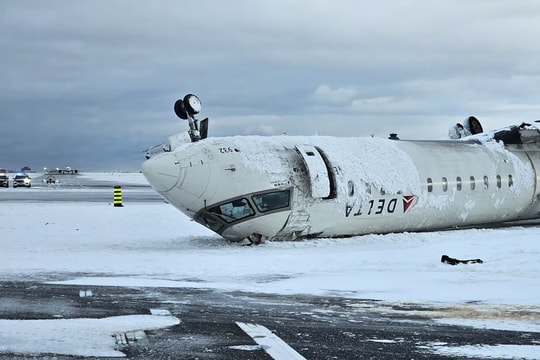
(314, 327)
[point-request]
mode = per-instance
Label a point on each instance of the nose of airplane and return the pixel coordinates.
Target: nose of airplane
(162, 172)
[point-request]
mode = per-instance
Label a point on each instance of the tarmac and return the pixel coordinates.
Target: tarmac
(315, 327)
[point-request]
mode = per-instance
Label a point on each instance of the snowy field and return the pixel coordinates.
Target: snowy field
(152, 244)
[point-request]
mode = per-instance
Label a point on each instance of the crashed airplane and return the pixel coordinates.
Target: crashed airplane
(288, 187)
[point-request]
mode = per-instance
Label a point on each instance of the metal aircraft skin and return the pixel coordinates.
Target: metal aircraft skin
(287, 187)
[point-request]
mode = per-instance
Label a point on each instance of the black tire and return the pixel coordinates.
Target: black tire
(474, 125)
(180, 110)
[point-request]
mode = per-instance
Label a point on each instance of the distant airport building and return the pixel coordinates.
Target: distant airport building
(67, 171)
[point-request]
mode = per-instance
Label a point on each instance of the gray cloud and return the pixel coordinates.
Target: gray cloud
(92, 84)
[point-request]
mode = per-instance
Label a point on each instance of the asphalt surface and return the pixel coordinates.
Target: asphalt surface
(315, 327)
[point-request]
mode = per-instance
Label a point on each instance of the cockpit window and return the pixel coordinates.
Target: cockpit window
(209, 221)
(234, 210)
(272, 200)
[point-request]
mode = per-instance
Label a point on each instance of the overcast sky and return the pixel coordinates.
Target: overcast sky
(91, 84)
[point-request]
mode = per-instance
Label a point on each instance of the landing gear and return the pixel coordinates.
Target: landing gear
(471, 126)
(180, 110)
(186, 109)
(192, 104)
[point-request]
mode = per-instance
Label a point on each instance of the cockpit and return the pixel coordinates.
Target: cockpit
(233, 210)
(186, 169)
(220, 216)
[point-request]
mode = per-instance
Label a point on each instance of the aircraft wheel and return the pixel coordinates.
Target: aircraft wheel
(474, 125)
(180, 110)
(192, 104)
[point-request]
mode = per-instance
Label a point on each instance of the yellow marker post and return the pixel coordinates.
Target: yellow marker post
(118, 196)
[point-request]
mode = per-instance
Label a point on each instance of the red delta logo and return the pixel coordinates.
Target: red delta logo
(408, 200)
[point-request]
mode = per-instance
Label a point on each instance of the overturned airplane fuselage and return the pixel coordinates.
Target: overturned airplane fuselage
(286, 188)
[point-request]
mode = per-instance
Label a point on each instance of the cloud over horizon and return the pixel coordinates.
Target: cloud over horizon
(92, 84)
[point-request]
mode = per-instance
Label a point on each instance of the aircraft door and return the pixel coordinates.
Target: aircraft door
(317, 170)
(534, 157)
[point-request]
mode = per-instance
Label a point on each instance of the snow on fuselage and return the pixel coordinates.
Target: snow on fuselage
(286, 187)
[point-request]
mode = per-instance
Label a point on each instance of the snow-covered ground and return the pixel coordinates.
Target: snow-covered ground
(152, 244)
(79, 337)
(128, 178)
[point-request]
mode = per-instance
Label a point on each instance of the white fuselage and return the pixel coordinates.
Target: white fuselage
(285, 188)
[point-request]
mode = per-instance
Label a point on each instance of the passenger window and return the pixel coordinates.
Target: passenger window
(499, 181)
(350, 186)
(473, 185)
(444, 184)
(429, 185)
(272, 200)
(510, 181)
(458, 183)
(486, 183)
(233, 211)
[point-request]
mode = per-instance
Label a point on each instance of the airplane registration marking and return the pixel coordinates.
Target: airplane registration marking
(227, 150)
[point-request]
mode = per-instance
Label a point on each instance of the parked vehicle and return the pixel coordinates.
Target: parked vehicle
(21, 179)
(4, 180)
